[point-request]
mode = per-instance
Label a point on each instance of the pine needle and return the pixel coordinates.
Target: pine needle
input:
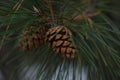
(16, 7)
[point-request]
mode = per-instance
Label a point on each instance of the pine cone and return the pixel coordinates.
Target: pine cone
(33, 37)
(59, 38)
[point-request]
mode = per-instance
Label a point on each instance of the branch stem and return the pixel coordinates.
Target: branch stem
(51, 10)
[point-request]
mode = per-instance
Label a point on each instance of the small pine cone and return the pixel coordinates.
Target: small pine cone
(58, 38)
(32, 38)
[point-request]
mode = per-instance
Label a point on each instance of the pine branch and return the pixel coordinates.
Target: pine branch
(98, 51)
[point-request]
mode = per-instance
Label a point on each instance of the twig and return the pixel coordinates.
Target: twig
(51, 10)
(91, 6)
(37, 11)
(88, 12)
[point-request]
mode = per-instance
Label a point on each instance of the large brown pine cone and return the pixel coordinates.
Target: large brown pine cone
(59, 38)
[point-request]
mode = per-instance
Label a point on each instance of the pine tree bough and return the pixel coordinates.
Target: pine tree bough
(59, 38)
